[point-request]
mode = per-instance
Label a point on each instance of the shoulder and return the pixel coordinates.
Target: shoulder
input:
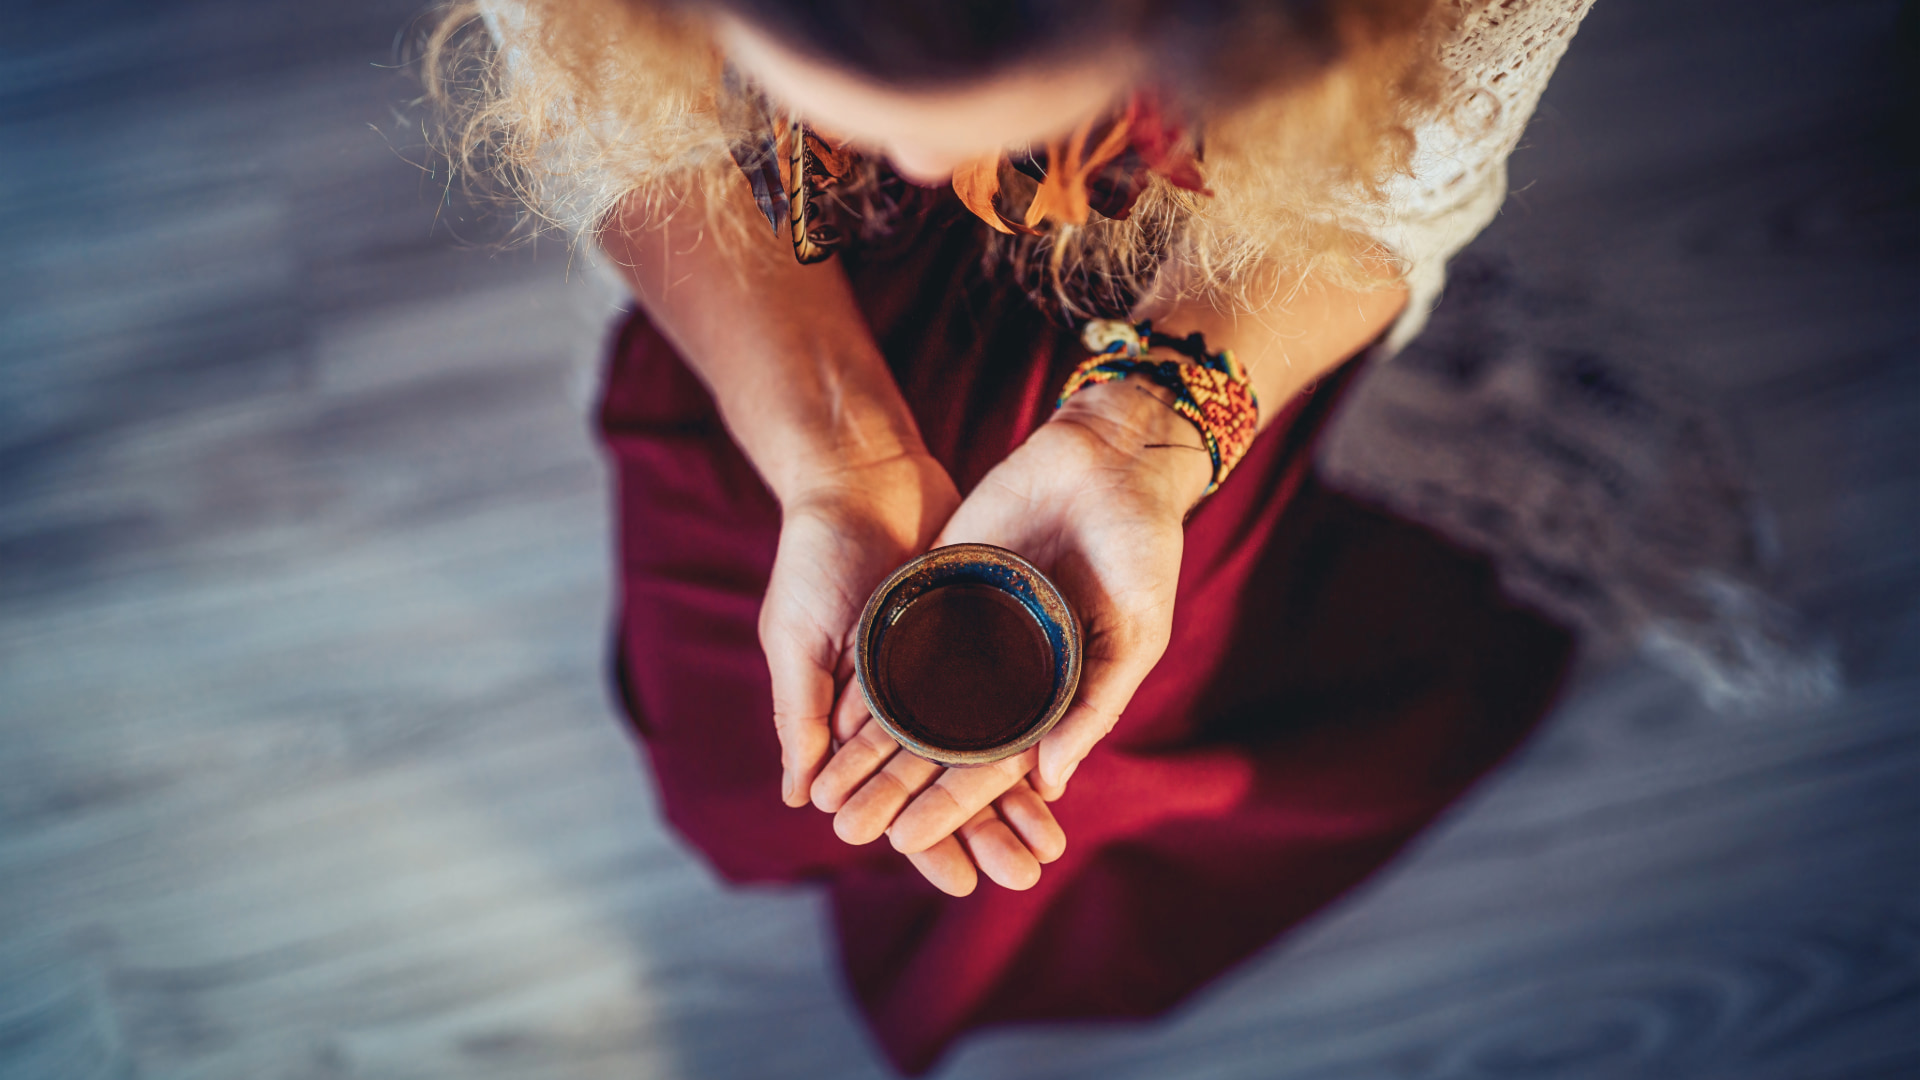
(1495, 63)
(1415, 175)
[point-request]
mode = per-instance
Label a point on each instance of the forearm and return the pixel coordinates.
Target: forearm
(783, 347)
(1290, 344)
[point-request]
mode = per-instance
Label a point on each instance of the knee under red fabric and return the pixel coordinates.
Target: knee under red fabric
(1336, 677)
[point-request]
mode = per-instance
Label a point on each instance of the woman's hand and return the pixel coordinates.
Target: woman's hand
(805, 392)
(1096, 499)
(841, 534)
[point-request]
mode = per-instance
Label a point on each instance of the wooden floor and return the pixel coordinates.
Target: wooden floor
(307, 767)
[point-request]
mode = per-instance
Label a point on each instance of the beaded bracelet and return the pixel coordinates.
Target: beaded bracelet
(1211, 390)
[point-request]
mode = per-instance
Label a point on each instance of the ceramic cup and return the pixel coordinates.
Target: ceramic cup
(968, 654)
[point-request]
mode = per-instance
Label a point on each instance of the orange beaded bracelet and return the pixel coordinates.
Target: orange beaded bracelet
(1211, 390)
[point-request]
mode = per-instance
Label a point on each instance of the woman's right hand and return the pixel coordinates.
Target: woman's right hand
(804, 390)
(843, 530)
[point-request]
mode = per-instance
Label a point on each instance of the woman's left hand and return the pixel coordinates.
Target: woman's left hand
(1096, 499)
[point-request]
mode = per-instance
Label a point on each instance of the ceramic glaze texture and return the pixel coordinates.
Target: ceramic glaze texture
(968, 654)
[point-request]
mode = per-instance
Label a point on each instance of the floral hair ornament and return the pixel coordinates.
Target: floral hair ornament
(1100, 167)
(1103, 166)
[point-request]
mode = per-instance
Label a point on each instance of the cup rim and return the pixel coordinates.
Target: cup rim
(1049, 596)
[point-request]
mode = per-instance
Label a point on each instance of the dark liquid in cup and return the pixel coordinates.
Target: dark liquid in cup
(966, 667)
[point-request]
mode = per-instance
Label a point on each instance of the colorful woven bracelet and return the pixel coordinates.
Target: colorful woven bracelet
(1211, 390)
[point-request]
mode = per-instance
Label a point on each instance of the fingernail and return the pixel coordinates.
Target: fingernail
(1068, 775)
(786, 788)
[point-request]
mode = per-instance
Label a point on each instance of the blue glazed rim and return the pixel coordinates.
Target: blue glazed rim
(974, 564)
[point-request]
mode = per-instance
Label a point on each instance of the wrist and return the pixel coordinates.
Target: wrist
(820, 424)
(839, 460)
(835, 474)
(1134, 419)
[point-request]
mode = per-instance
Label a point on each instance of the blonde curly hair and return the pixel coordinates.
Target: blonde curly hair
(570, 108)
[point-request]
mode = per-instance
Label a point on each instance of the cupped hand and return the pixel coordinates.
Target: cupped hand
(840, 536)
(1096, 499)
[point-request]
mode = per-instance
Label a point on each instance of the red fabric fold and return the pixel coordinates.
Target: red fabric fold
(1336, 678)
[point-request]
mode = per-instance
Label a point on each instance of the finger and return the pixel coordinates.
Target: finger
(851, 712)
(953, 799)
(802, 702)
(1032, 820)
(1113, 669)
(856, 760)
(1068, 744)
(948, 866)
(868, 813)
(998, 853)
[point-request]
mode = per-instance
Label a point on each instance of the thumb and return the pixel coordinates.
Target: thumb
(1061, 752)
(850, 713)
(802, 707)
(1107, 685)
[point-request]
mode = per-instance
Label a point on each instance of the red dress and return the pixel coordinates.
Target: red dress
(1336, 678)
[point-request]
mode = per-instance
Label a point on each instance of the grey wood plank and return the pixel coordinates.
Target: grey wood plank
(307, 767)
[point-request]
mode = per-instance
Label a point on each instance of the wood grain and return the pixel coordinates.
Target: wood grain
(307, 768)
